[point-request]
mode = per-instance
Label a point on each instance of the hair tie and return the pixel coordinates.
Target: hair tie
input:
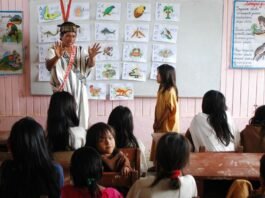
(90, 181)
(175, 174)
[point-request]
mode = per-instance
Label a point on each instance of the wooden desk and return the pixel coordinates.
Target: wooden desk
(222, 166)
(3, 140)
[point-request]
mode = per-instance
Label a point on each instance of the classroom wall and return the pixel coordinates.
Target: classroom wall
(244, 90)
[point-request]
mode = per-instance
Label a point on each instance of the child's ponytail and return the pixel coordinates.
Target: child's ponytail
(174, 179)
(93, 188)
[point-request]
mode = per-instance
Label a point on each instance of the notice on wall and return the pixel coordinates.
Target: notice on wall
(248, 41)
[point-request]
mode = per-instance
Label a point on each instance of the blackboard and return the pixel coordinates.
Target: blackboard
(198, 46)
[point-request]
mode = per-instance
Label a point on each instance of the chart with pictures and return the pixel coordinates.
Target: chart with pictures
(135, 38)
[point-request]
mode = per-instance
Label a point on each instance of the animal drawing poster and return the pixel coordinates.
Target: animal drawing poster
(43, 51)
(11, 36)
(49, 12)
(154, 67)
(137, 32)
(107, 71)
(107, 31)
(164, 53)
(167, 11)
(248, 41)
(134, 71)
(121, 91)
(135, 52)
(97, 91)
(83, 33)
(44, 74)
(110, 51)
(79, 11)
(165, 33)
(138, 11)
(108, 11)
(48, 33)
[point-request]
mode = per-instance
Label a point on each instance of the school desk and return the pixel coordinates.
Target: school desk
(222, 166)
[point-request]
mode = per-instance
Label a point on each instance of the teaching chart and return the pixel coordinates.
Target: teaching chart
(135, 37)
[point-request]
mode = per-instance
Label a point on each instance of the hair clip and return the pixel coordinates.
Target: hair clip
(90, 181)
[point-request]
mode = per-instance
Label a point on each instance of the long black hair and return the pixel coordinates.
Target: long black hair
(121, 119)
(168, 78)
(61, 116)
(214, 105)
(86, 169)
(33, 171)
(259, 119)
(172, 154)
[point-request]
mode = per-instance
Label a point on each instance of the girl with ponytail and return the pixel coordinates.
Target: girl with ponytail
(172, 156)
(86, 170)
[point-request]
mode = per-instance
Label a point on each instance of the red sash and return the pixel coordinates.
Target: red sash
(69, 68)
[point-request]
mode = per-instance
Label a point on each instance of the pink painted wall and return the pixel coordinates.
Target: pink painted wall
(243, 89)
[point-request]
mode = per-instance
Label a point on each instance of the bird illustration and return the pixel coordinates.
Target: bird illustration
(12, 30)
(108, 10)
(259, 52)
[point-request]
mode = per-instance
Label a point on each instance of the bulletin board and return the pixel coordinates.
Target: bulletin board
(195, 47)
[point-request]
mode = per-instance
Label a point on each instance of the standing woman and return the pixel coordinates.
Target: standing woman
(166, 110)
(70, 65)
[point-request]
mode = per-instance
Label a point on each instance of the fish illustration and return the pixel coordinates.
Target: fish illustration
(108, 10)
(107, 31)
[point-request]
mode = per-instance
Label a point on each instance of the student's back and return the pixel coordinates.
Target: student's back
(253, 136)
(172, 156)
(86, 171)
(31, 173)
(63, 130)
(214, 127)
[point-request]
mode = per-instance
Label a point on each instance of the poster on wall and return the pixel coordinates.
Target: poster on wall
(248, 39)
(11, 37)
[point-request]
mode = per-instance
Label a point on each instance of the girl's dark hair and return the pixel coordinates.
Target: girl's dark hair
(96, 132)
(173, 151)
(121, 120)
(86, 169)
(168, 78)
(35, 171)
(213, 104)
(61, 116)
(259, 119)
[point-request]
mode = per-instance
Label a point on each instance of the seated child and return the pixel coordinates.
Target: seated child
(31, 173)
(102, 137)
(121, 119)
(172, 155)
(86, 171)
(253, 136)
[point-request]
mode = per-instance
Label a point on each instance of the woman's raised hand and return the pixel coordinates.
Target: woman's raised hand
(58, 48)
(92, 52)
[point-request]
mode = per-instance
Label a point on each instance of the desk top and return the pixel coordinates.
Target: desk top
(214, 165)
